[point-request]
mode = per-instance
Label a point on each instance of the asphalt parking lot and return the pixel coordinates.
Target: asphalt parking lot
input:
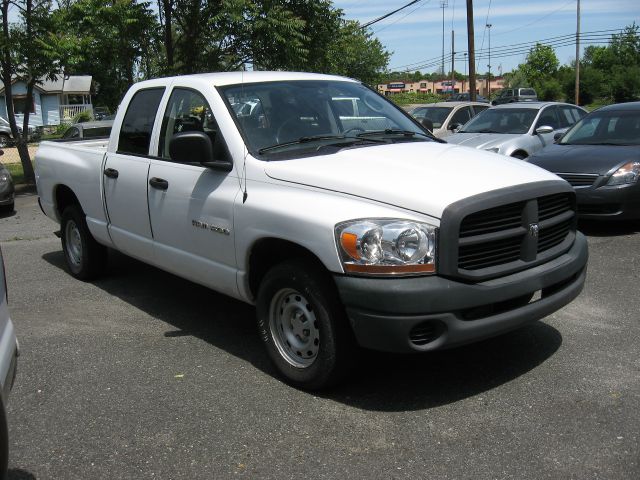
(145, 375)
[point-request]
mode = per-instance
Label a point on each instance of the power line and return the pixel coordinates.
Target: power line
(595, 36)
(401, 18)
(376, 20)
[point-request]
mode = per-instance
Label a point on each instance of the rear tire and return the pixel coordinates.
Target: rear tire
(304, 326)
(86, 258)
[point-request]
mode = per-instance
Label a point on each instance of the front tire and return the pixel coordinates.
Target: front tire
(86, 258)
(303, 325)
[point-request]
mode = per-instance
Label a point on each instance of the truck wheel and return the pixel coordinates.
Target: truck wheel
(303, 325)
(86, 258)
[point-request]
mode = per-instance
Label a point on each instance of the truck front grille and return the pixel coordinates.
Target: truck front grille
(505, 231)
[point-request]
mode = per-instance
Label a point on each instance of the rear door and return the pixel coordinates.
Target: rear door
(125, 176)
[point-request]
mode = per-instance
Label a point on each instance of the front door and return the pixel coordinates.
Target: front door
(191, 206)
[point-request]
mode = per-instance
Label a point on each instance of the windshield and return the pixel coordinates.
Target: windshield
(610, 127)
(308, 115)
(437, 115)
(502, 120)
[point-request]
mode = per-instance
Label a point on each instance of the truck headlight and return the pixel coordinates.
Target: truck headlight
(627, 173)
(387, 247)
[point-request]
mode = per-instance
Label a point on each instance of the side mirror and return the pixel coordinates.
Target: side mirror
(557, 137)
(195, 147)
(544, 129)
(454, 127)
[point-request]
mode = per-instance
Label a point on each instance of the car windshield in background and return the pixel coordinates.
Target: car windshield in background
(502, 120)
(437, 115)
(286, 116)
(608, 127)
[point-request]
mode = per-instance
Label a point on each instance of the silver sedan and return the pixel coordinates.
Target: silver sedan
(518, 129)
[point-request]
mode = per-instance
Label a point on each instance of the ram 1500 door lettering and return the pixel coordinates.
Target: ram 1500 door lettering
(345, 227)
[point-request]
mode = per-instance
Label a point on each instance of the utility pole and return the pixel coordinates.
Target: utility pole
(472, 54)
(453, 65)
(489, 76)
(465, 69)
(443, 4)
(578, 56)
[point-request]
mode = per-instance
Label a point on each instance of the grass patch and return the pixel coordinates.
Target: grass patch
(15, 169)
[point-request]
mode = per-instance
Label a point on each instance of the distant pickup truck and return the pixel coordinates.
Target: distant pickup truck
(342, 235)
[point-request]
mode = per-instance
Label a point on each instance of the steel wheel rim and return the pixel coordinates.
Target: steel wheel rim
(73, 243)
(294, 328)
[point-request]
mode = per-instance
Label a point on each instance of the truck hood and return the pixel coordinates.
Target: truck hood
(482, 141)
(424, 177)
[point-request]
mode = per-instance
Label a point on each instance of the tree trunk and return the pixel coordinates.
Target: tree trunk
(7, 74)
(23, 150)
(168, 34)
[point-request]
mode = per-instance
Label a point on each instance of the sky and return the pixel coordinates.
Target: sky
(414, 35)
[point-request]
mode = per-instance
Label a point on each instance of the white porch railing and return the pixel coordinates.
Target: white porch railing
(68, 112)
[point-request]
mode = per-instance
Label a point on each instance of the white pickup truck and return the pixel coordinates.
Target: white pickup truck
(343, 233)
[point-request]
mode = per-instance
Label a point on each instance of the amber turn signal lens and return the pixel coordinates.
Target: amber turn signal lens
(349, 242)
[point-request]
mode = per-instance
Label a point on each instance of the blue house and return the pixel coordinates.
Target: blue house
(54, 102)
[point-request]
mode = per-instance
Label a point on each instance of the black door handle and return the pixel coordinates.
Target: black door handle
(159, 183)
(111, 172)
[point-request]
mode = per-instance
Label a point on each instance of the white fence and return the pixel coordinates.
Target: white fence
(68, 112)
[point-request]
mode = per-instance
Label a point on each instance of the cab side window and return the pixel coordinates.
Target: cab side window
(135, 133)
(188, 111)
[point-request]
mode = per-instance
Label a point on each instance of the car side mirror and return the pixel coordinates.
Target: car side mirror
(544, 129)
(454, 127)
(557, 137)
(195, 147)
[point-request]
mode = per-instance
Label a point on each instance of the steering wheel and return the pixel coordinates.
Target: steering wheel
(281, 133)
(353, 129)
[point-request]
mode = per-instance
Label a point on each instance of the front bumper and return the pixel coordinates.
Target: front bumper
(429, 313)
(615, 203)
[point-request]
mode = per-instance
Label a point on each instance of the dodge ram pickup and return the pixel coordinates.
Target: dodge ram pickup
(327, 207)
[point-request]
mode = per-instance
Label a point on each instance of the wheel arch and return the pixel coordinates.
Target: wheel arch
(518, 152)
(64, 197)
(270, 251)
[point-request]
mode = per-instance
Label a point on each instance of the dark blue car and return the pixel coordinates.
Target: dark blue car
(600, 157)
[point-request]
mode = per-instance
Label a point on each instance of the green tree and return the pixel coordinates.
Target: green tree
(27, 54)
(113, 38)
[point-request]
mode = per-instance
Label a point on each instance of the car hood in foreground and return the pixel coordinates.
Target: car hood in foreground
(482, 141)
(584, 158)
(424, 177)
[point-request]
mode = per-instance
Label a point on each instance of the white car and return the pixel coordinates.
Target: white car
(447, 117)
(518, 129)
(8, 362)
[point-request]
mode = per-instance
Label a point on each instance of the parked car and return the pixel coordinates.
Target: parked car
(466, 97)
(600, 157)
(101, 129)
(518, 129)
(8, 362)
(512, 95)
(99, 113)
(7, 191)
(446, 117)
(6, 137)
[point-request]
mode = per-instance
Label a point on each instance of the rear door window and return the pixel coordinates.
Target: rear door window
(135, 132)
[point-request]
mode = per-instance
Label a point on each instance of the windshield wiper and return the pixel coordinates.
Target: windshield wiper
(390, 131)
(314, 138)
(484, 131)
